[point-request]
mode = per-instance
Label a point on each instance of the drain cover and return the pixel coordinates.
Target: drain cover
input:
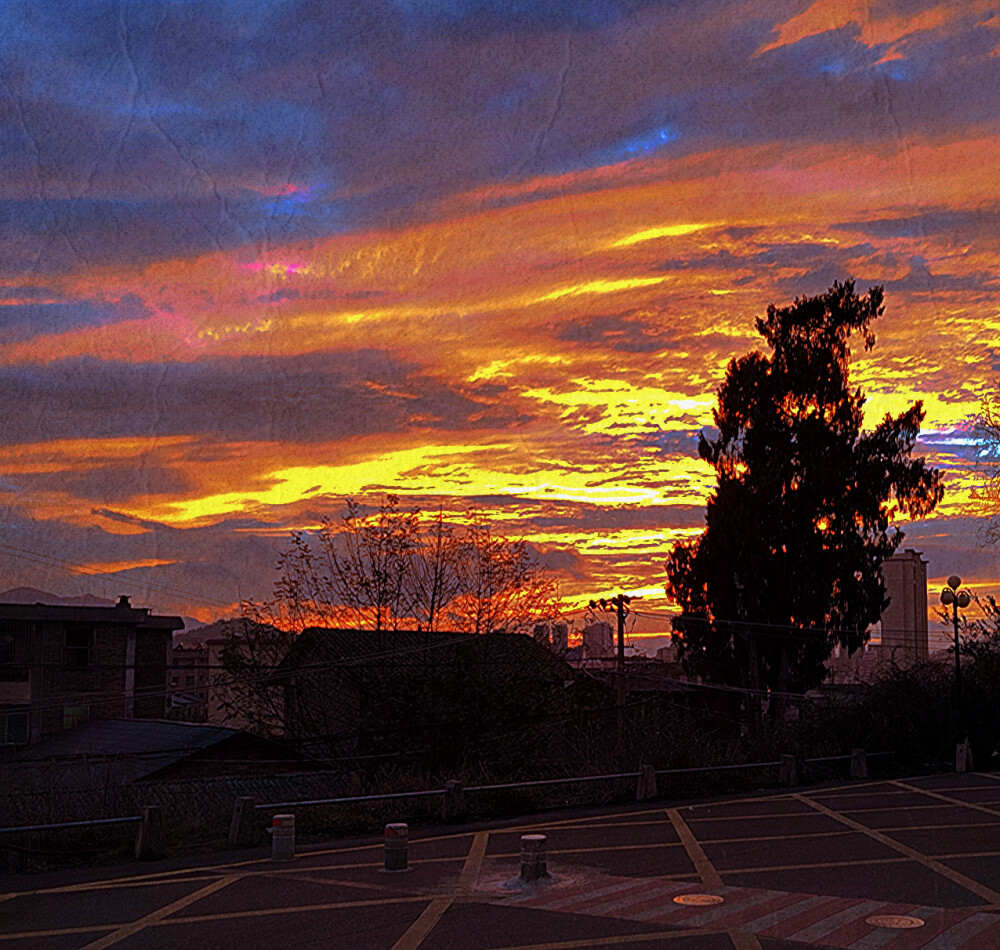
(895, 921)
(698, 900)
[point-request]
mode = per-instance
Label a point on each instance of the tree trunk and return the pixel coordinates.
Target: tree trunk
(753, 698)
(779, 702)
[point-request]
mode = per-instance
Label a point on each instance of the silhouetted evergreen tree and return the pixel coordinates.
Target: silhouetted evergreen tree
(800, 520)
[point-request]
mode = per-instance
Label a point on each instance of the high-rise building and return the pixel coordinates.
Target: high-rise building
(598, 641)
(904, 621)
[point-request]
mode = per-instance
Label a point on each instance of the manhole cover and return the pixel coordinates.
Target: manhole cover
(698, 900)
(895, 921)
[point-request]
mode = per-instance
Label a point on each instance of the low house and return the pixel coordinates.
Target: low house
(108, 753)
(432, 700)
(61, 666)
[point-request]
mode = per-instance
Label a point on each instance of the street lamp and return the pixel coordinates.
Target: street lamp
(955, 598)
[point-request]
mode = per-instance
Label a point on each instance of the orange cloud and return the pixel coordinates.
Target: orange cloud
(874, 27)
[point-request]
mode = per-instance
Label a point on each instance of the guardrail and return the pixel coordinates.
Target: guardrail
(148, 840)
(453, 795)
(72, 824)
(243, 828)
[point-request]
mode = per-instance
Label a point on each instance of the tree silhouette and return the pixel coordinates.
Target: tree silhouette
(800, 520)
(389, 569)
(986, 500)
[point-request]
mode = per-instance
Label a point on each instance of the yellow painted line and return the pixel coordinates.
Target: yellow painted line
(756, 838)
(565, 826)
(162, 877)
(424, 924)
(699, 859)
(284, 911)
(951, 855)
(840, 834)
(156, 916)
(600, 849)
(816, 864)
(469, 877)
(862, 793)
(865, 811)
(60, 932)
(975, 806)
(784, 814)
(744, 941)
(321, 878)
(417, 932)
(956, 877)
(620, 941)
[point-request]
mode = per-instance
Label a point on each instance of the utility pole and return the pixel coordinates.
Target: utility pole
(620, 603)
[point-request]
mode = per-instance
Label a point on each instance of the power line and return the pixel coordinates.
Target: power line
(789, 631)
(74, 567)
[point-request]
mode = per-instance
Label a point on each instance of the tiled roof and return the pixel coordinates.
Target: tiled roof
(169, 740)
(352, 649)
(114, 750)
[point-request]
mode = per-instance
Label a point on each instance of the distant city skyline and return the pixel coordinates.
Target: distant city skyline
(260, 256)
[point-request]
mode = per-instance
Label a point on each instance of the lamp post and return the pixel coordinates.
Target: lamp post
(955, 598)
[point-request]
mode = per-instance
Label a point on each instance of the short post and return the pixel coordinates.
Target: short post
(788, 774)
(243, 829)
(963, 757)
(859, 763)
(283, 838)
(646, 787)
(397, 837)
(149, 841)
(454, 799)
(534, 864)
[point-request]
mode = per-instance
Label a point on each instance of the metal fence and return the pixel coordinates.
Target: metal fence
(149, 841)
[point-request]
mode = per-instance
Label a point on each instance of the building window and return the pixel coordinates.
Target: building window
(15, 643)
(6, 647)
(75, 715)
(14, 728)
(79, 647)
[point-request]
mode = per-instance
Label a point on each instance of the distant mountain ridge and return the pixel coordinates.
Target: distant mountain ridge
(32, 595)
(195, 636)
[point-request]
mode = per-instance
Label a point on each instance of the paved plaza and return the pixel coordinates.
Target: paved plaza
(880, 865)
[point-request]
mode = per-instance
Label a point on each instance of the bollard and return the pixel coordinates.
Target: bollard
(243, 829)
(283, 838)
(789, 772)
(859, 763)
(149, 841)
(453, 802)
(397, 837)
(963, 757)
(533, 858)
(646, 787)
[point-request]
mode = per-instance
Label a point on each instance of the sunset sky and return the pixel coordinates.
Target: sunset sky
(260, 255)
